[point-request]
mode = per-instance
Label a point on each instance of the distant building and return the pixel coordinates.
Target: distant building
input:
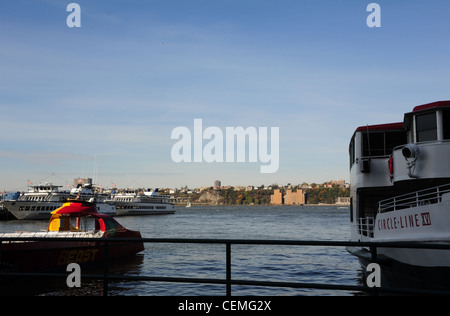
(290, 198)
(217, 185)
(343, 200)
(339, 183)
(294, 198)
(276, 198)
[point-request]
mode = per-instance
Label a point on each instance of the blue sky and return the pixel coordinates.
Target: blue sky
(110, 93)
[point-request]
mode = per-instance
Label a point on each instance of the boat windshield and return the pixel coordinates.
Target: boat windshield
(74, 224)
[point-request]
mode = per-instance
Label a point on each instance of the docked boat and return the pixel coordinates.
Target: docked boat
(400, 192)
(40, 200)
(4, 213)
(131, 202)
(75, 219)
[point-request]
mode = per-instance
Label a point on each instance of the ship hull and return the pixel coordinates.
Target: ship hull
(55, 255)
(144, 212)
(135, 209)
(24, 210)
(396, 274)
(411, 267)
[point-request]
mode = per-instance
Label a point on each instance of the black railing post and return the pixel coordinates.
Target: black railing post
(106, 269)
(228, 259)
(1, 268)
(373, 252)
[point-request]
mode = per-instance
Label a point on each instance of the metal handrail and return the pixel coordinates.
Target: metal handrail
(228, 281)
(366, 226)
(414, 199)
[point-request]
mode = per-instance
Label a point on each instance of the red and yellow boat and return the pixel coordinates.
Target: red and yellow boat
(75, 219)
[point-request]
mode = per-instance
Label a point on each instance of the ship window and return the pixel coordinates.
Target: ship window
(394, 139)
(87, 224)
(373, 144)
(352, 152)
(426, 127)
(446, 118)
(382, 144)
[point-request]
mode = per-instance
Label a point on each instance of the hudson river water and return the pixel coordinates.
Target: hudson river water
(249, 262)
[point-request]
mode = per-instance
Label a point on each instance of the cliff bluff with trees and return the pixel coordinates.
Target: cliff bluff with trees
(315, 194)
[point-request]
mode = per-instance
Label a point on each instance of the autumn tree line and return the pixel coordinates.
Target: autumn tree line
(315, 194)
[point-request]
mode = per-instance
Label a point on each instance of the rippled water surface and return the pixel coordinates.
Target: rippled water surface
(249, 262)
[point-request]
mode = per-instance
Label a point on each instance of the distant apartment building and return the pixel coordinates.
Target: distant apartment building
(276, 198)
(339, 183)
(343, 200)
(217, 185)
(290, 198)
(294, 198)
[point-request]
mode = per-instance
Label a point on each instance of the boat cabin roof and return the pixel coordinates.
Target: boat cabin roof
(381, 127)
(426, 123)
(48, 187)
(433, 105)
(429, 107)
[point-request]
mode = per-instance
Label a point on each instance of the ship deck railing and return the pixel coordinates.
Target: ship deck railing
(415, 199)
(228, 282)
(45, 235)
(366, 226)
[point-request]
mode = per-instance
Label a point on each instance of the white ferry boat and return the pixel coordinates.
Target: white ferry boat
(41, 200)
(131, 202)
(4, 214)
(400, 192)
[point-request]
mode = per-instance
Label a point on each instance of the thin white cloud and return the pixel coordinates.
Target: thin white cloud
(42, 158)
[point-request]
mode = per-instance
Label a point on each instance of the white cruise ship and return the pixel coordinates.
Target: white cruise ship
(41, 200)
(131, 202)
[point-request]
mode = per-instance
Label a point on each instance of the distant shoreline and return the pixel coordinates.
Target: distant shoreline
(220, 205)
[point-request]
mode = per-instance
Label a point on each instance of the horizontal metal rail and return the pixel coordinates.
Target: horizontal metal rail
(228, 281)
(414, 199)
(285, 242)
